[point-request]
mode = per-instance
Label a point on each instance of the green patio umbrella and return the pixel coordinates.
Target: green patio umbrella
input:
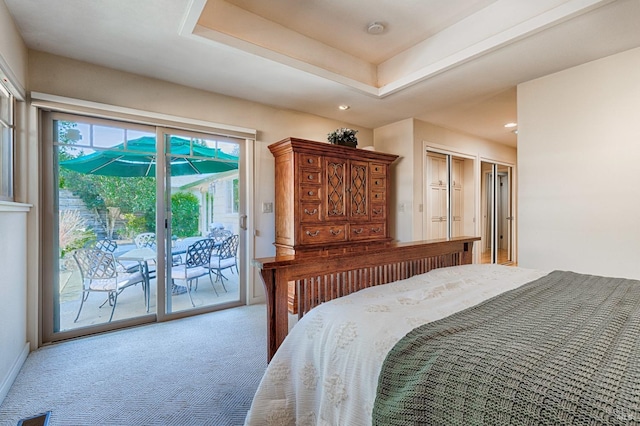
(138, 159)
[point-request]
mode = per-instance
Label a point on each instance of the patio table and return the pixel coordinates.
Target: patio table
(146, 254)
(142, 256)
(180, 247)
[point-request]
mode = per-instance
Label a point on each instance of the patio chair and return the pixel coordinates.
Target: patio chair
(218, 235)
(106, 245)
(147, 239)
(100, 272)
(110, 246)
(195, 265)
(225, 258)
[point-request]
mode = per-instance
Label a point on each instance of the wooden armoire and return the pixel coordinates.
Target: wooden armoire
(329, 198)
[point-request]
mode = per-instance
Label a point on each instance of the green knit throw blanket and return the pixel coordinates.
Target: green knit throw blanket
(564, 349)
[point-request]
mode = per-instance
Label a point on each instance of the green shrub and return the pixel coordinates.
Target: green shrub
(185, 212)
(133, 225)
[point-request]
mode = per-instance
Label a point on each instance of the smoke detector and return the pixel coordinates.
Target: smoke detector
(375, 28)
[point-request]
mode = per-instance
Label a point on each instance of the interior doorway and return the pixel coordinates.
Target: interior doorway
(497, 226)
(449, 201)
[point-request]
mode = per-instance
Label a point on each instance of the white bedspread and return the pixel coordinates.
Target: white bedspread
(326, 371)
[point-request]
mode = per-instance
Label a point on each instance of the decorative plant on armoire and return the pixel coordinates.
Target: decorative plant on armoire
(344, 137)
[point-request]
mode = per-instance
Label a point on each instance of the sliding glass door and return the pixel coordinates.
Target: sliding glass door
(104, 196)
(145, 224)
(203, 203)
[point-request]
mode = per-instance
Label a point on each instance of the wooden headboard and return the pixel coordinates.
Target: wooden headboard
(301, 283)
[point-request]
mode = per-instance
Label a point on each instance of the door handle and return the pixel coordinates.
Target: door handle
(243, 222)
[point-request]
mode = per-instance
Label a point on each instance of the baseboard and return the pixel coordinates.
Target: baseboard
(257, 300)
(13, 372)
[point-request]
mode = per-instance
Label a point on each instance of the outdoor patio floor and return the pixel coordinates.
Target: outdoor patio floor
(131, 303)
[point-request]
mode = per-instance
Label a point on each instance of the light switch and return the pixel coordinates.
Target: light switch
(267, 207)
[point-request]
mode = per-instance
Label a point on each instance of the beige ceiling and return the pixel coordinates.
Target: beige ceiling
(342, 24)
(454, 63)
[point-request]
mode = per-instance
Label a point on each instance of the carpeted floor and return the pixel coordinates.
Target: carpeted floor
(201, 370)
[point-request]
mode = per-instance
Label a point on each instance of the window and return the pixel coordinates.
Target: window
(236, 196)
(6, 143)
(233, 196)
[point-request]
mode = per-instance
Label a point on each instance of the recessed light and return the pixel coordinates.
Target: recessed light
(344, 107)
(511, 125)
(375, 28)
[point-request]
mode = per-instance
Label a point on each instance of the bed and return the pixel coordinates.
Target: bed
(457, 344)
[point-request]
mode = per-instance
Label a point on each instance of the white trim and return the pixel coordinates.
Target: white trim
(8, 206)
(529, 27)
(191, 16)
(13, 372)
(11, 81)
(250, 233)
(502, 163)
(447, 150)
(534, 24)
(44, 100)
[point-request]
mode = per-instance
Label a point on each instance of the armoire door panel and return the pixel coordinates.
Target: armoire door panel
(359, 191)
(336, 184)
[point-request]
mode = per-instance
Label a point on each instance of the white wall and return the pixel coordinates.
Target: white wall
(14, 345)
(579, 168)
(397, 139)
(13, 52)
(13, 288)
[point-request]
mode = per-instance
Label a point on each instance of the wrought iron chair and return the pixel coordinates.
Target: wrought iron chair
(195, 265)
(146, 239)
(110, 246)
(218, 235)
(106, 245)
(101, 273)
(225, 258)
